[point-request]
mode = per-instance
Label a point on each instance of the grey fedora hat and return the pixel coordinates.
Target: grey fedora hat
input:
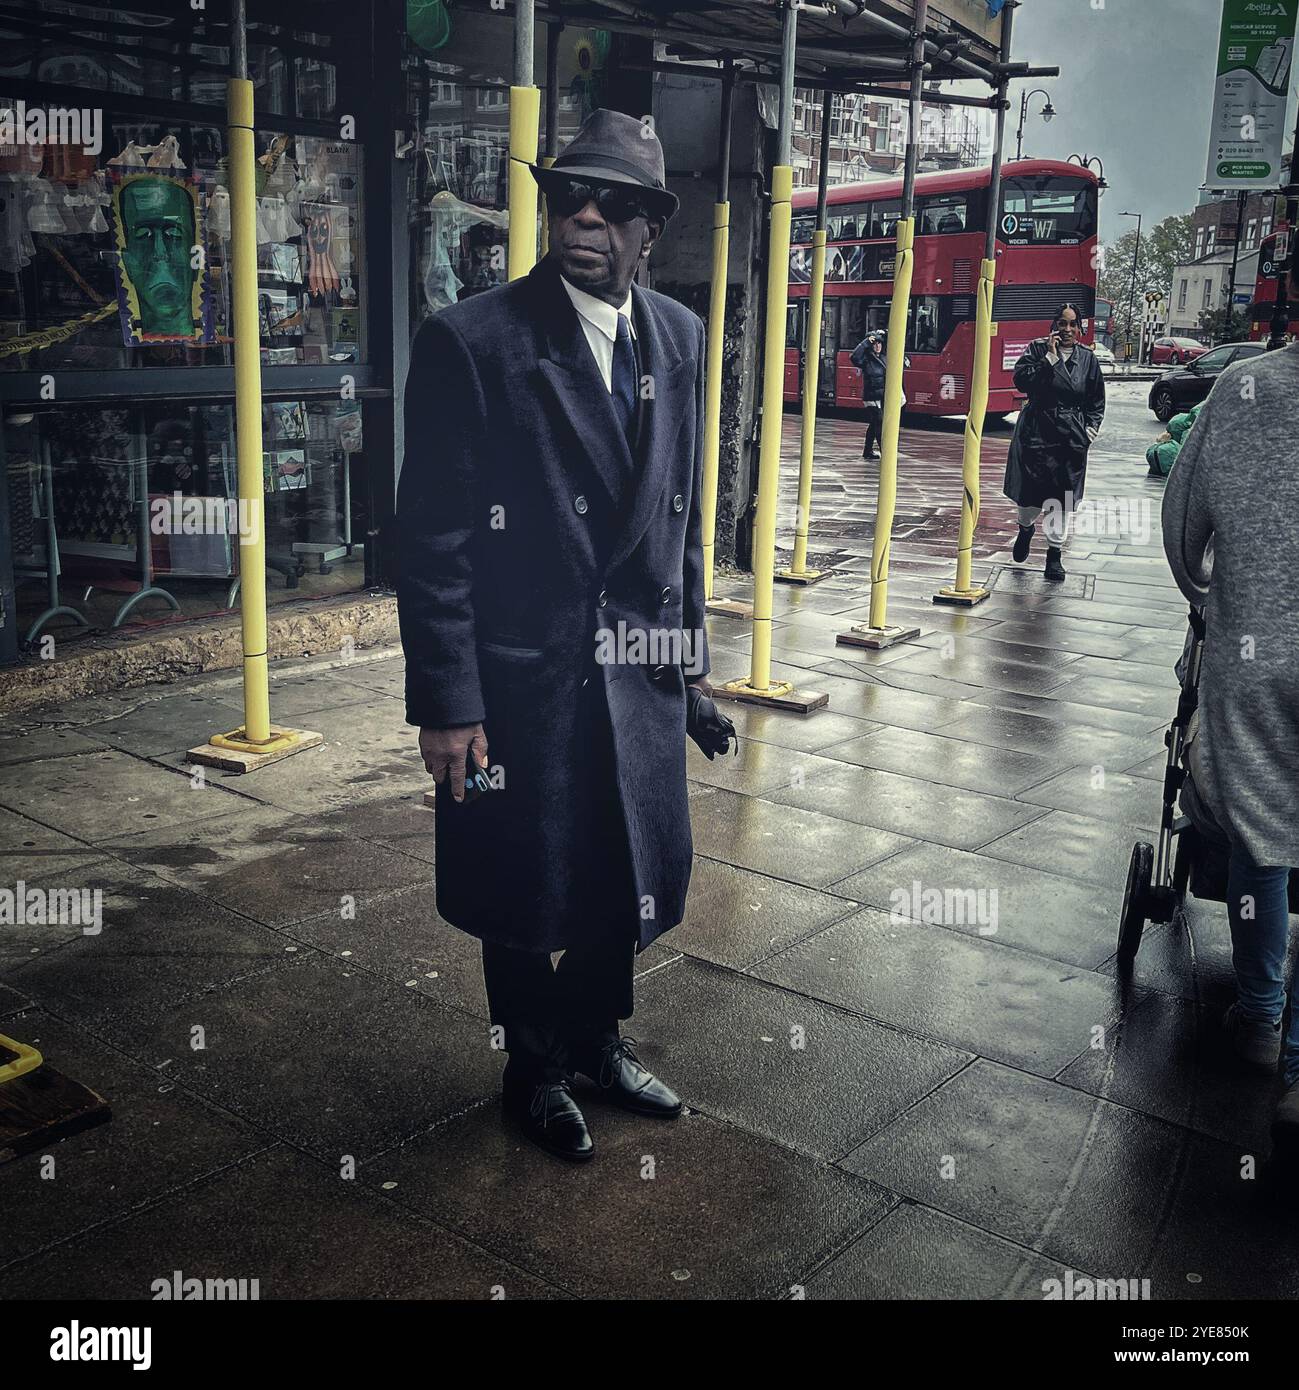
(612, 147)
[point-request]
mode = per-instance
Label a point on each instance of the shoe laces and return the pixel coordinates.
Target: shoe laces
(545, 1101)
(612, 1056)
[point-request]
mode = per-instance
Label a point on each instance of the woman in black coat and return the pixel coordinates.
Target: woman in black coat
(1047, 463)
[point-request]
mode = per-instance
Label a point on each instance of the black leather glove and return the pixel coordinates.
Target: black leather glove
(711, 730)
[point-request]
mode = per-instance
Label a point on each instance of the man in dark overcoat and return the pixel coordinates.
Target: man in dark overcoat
(551, 602)
(1046, 466)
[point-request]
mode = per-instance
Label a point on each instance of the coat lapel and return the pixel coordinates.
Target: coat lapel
(662, 415)
(569, 371)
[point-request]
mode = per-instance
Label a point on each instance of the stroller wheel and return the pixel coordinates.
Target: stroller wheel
(1136, 901)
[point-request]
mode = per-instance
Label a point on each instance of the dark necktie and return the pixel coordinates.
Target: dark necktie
(623, 378)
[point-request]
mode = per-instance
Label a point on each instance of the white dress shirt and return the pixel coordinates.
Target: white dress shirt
(599, 322)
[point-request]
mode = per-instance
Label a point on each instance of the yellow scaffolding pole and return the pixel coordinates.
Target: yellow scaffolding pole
(964, 593)
(258, 741)
(798, 571)
(525, 116)
(713, 388)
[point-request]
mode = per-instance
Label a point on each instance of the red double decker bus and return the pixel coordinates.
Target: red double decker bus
(1273, 253)
(1046, 255)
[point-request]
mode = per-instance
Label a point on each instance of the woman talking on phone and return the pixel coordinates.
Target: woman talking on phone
(1047, 463)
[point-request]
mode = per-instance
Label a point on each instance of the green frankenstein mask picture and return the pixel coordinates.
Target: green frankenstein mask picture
(162, 283)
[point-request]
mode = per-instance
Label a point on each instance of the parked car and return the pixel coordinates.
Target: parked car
(1174, 352)
(1186, 386)
(1105, 357)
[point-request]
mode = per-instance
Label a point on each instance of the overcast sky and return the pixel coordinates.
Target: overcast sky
(1135, 87)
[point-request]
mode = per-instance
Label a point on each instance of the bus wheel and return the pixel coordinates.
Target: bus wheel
(1165, 406)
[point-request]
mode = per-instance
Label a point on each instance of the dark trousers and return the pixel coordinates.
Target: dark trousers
(542, 1009)
(874, 418)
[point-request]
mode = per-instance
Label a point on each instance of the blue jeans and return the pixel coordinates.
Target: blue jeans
(1258, 949)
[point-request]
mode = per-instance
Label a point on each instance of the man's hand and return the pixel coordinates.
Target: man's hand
(447, 751)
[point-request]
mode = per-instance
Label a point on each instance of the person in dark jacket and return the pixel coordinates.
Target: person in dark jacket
(868, 358)
(1046, 467)
(551, 600)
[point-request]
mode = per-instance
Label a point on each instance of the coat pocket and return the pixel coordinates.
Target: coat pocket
(508, 651)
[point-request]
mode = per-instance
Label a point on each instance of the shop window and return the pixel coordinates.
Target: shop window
(69, 298)
(146, 495)
(459, 221)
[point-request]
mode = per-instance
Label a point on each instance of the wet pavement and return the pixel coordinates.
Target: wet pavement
(911, 1067)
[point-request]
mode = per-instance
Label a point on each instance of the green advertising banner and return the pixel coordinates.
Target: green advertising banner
(1249, 105)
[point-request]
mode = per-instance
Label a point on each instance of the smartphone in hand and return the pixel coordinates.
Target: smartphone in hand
(477, 779)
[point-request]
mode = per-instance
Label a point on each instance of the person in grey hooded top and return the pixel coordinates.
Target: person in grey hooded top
(1231, 534)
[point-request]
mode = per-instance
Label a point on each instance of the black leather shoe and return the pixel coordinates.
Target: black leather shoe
(549, 1116)
(1022, 542)
(1054, 569)
(620, 1079)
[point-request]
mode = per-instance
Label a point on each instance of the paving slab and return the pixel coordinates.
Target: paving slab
(1040, 912)
(1076, 1178)
(809, 1076)
(1172, 1059)
(370, 753)
(273, 865)
(685, 1209)
(100, 796)
(735, 917)
(314, 1236)
(789, 842)
(170, 723)
(160, 1138)
(1049, 738)
(787, 729)
(39, 742)
(332, 1060)
(947, 761)
(906, 805)
(1098, 790)
(158, 944)
(921, 1254)
(969, 993)
(1084, 847)
(29, 849)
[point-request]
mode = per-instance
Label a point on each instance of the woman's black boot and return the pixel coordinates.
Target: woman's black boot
(1022, 542)
(1054, 569)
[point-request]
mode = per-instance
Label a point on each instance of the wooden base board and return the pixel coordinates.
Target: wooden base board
(729, 608)
(232, 760)
(876, 638)
(807, 577)
(42, 1107)
(801, 701)
(954, 598)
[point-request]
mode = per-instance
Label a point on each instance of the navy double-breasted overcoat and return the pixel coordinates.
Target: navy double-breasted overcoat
(551, 587)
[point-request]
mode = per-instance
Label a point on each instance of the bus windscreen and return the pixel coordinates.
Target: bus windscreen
(1047, 210)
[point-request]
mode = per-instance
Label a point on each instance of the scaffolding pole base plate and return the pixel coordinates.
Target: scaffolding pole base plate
(43, 1106)
(807, 576)
(233, 753)
(779, 695)
(729, 608)
(876, 638)
(962, 598)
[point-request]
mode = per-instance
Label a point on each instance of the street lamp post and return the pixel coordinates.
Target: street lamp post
(1046, 113)
(1136, 261)
(1086, 161)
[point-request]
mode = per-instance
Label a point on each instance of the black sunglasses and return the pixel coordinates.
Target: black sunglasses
(567, 197)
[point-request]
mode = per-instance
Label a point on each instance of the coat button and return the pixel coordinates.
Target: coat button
(579, 505)
(665, 597)
(603, 599)
(678, 502)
